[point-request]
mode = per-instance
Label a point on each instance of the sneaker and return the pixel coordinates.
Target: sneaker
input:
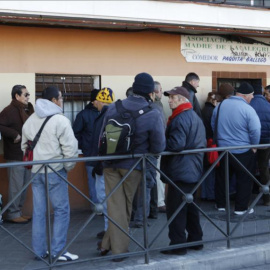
(68, 257)
(221, 209)
(240, 213)
(18, 220)
(44, 256)
(178, 251)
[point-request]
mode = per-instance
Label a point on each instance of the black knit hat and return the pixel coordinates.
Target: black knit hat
(257, 88)
(143, 84)
(245, 88)
(93, 95)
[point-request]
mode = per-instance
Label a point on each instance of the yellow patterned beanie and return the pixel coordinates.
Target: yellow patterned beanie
(105, 95)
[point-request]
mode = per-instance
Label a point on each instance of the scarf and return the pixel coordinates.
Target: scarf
(24, 110)
(178, 110)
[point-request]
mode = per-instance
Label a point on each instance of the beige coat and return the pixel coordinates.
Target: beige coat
(57, 140)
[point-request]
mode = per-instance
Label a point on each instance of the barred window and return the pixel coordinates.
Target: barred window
(75, 89)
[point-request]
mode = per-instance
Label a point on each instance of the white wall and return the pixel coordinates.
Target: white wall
(8, 80)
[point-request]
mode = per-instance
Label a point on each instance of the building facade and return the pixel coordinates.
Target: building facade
(81, 45)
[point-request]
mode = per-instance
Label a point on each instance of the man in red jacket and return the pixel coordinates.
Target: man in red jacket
(12, 119)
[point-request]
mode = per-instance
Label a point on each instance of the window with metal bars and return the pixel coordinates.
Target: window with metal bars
(75, 89)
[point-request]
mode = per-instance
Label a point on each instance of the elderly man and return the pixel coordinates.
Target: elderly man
(57, 141)
(12, 119)
(237, 125)
(185, 130)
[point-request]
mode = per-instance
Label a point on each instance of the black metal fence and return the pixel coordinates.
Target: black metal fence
(147, 247)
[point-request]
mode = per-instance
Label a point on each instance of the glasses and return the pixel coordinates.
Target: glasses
(27, 95)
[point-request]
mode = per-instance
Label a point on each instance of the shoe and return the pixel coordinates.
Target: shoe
(100, 235)
(68, 257)
(240, 213)
(102, 251)
(152, 216)
(179, 251)
(198, 247)
(18, 220)
(119, 259)
(27, 218)
(38, 258)
(221, 209)
(162, 209)
(140, 225)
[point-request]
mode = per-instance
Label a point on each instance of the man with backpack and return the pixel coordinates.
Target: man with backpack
(147, 137)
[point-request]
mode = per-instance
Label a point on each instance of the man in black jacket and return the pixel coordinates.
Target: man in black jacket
(191, 83)
(83, 130)
(185, 130)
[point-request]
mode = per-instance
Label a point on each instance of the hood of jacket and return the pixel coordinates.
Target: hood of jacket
(46, 108)
(90, 106)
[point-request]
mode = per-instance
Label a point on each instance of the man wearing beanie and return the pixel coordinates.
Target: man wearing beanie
(83, 130)
(103, 99)
(149, 138)
(237, 125)
(191, 83)
(262, 108)
(185, 130)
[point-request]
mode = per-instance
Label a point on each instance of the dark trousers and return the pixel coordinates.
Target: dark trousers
(188, 218)
(244, 183)
(263, 156)
(154, 201)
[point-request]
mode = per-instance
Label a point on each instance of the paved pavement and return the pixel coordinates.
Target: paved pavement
(251, 253)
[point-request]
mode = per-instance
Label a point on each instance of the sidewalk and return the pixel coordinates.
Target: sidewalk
(244, 252)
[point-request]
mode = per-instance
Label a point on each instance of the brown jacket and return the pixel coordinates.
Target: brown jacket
(11, 122)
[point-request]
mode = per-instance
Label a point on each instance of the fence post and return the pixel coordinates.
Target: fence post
(227, 190)
(145, 205)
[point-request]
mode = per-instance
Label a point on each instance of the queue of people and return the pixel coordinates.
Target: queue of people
(231, 117)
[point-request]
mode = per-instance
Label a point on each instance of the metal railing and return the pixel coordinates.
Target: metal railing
(147, 246)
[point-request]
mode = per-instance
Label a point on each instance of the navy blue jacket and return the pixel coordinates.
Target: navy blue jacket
(97, 132)
(262, 108)
(83, 128)
(149, 133)
(186, 131)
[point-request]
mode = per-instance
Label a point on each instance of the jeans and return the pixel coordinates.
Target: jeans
(101, 195)
(58, 194)
(150, 184)
(91, 184)
(208, 185)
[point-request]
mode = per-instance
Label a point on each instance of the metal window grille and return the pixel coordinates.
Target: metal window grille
(76, 90)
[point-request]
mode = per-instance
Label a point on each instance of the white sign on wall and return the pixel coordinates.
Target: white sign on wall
(214, 49)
